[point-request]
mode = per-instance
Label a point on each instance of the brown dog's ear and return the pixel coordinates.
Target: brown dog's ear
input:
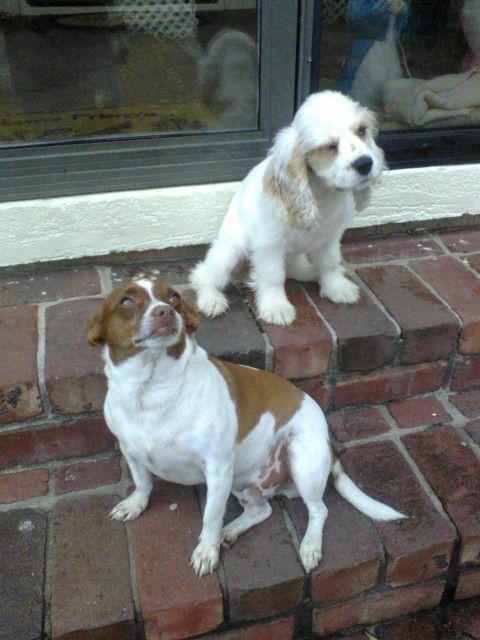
(95, 335)
(190, 316)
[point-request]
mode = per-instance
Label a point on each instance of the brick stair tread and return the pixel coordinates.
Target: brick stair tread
(405, 418)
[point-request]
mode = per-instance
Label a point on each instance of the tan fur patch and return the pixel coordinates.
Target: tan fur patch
(321, 158)
(254, 392)
(293, 192)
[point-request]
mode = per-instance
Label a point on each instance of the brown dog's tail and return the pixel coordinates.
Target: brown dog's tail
(349, 490)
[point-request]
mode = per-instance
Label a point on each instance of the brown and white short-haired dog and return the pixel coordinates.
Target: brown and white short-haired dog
(188, 418)
(289, 213)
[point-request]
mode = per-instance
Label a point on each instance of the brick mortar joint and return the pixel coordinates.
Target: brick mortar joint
(48, 502)
(105, 276)
(379, 304)
(437, 295)
(41, 359)
(438, 504)
(330, 375)
(56, 464)
(49, 419)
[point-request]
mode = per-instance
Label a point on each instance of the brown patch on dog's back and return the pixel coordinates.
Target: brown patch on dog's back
(254, 392)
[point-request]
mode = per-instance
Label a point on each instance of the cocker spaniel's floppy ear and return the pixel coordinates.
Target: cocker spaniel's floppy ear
(286, 179)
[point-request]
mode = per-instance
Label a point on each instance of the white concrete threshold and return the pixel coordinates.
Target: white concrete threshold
(80, 226)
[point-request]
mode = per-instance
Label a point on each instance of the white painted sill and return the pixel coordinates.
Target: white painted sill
(90, 225)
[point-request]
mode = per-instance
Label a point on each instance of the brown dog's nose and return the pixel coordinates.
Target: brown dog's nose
(160, 312)
(162, 318)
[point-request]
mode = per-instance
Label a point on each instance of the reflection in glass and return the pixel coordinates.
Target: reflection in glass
(415, 62)
(126, 67)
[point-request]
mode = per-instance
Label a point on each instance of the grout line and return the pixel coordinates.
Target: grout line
(139, 626)
(331, 374)
(41, 361)
(48, 574)
(269, 351)
(436, 294)
(379, 304)
(105, 275)
(47, 502)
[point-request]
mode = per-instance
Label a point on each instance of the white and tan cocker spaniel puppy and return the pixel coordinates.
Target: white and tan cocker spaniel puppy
(289, 213)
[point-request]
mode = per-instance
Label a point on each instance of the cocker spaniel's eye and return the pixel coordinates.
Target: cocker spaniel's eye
(174, 297)
(127, 301)
(333, 146)
(362, 132)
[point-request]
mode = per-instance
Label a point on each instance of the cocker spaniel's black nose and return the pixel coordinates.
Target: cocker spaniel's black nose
(363, 164)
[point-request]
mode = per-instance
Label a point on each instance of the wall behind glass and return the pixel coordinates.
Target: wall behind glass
(415, 62)
(73, 70)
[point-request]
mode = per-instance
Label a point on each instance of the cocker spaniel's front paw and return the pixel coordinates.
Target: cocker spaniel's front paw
(340, 289)
(279, 312)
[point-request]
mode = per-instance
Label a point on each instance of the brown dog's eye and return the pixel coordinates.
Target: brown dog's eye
(174, 297)
(127, 301)
(362, 132)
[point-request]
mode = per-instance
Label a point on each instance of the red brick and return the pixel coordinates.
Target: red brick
(463, 241)
(22, 557)
(353, 424)
(174, 602)
(264, 576)
(351, 554)
(318, 389)
(90, 573)
(473, 430)
(429, 329)
(389, 384)
(50, 285)
(415, 412)
(467, 402)
(453, 472)
(461, 291)
(23, 484)
(73, 369)
(468, 584)
(233, 336)
(374, 607)
(419, 547)
(87, 475)
(19, 391)
(122, 631)
(466, 374)
(301, 350)
(473, 260)
(174, 272)
(464, 618)
(423, 626)
(366, 337)
(379, 250)
(28, 446)
(278, 630)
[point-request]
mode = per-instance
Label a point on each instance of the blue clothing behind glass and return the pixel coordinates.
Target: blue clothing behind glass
(369, 19)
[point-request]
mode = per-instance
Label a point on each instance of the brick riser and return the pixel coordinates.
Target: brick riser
(414, 333)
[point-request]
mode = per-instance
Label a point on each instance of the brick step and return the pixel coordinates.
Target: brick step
(108, 580)
(396, 373)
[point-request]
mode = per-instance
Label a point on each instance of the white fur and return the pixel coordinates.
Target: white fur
(174, 418)
(298, 234)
